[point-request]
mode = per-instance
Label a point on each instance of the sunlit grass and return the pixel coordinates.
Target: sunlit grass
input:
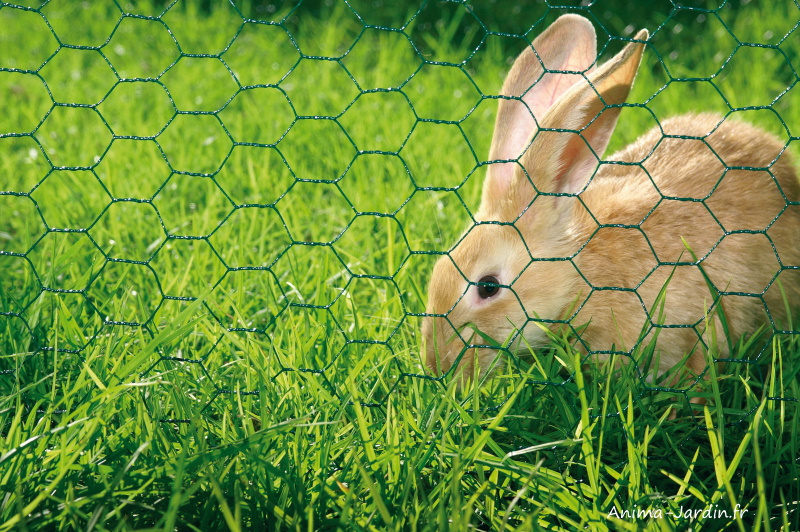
(224, 336)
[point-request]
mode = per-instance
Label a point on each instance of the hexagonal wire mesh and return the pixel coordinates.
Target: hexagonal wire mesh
(163, 167)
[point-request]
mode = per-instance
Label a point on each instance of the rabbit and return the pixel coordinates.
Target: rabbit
(558, 224)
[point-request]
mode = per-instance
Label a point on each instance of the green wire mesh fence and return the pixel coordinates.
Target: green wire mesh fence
(184, 190)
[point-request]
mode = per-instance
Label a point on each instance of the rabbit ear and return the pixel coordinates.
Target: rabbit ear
(573, 135)
(534, 84)
(564, 160)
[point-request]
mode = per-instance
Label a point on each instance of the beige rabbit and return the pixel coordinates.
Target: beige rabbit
(573, 225)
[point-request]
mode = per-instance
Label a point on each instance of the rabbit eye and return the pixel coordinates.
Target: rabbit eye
(488, 286)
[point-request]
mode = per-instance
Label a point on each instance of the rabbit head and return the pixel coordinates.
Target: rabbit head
(555, 116)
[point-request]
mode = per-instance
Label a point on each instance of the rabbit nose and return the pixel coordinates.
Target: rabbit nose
(435, 358)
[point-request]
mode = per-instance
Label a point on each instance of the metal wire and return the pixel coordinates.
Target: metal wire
(139, 172)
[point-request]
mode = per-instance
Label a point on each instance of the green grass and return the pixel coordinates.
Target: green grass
(265, 371)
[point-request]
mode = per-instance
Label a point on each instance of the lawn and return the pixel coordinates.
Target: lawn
(215, 239)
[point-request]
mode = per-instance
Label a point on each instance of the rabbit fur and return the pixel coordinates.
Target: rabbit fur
(558, 223)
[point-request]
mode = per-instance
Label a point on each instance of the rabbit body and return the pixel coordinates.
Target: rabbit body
(664, 231)
(574, 243)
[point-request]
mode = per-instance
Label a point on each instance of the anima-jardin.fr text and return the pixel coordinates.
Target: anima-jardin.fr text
(710, 512)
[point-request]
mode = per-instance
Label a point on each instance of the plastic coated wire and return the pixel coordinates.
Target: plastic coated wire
(86, 301)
